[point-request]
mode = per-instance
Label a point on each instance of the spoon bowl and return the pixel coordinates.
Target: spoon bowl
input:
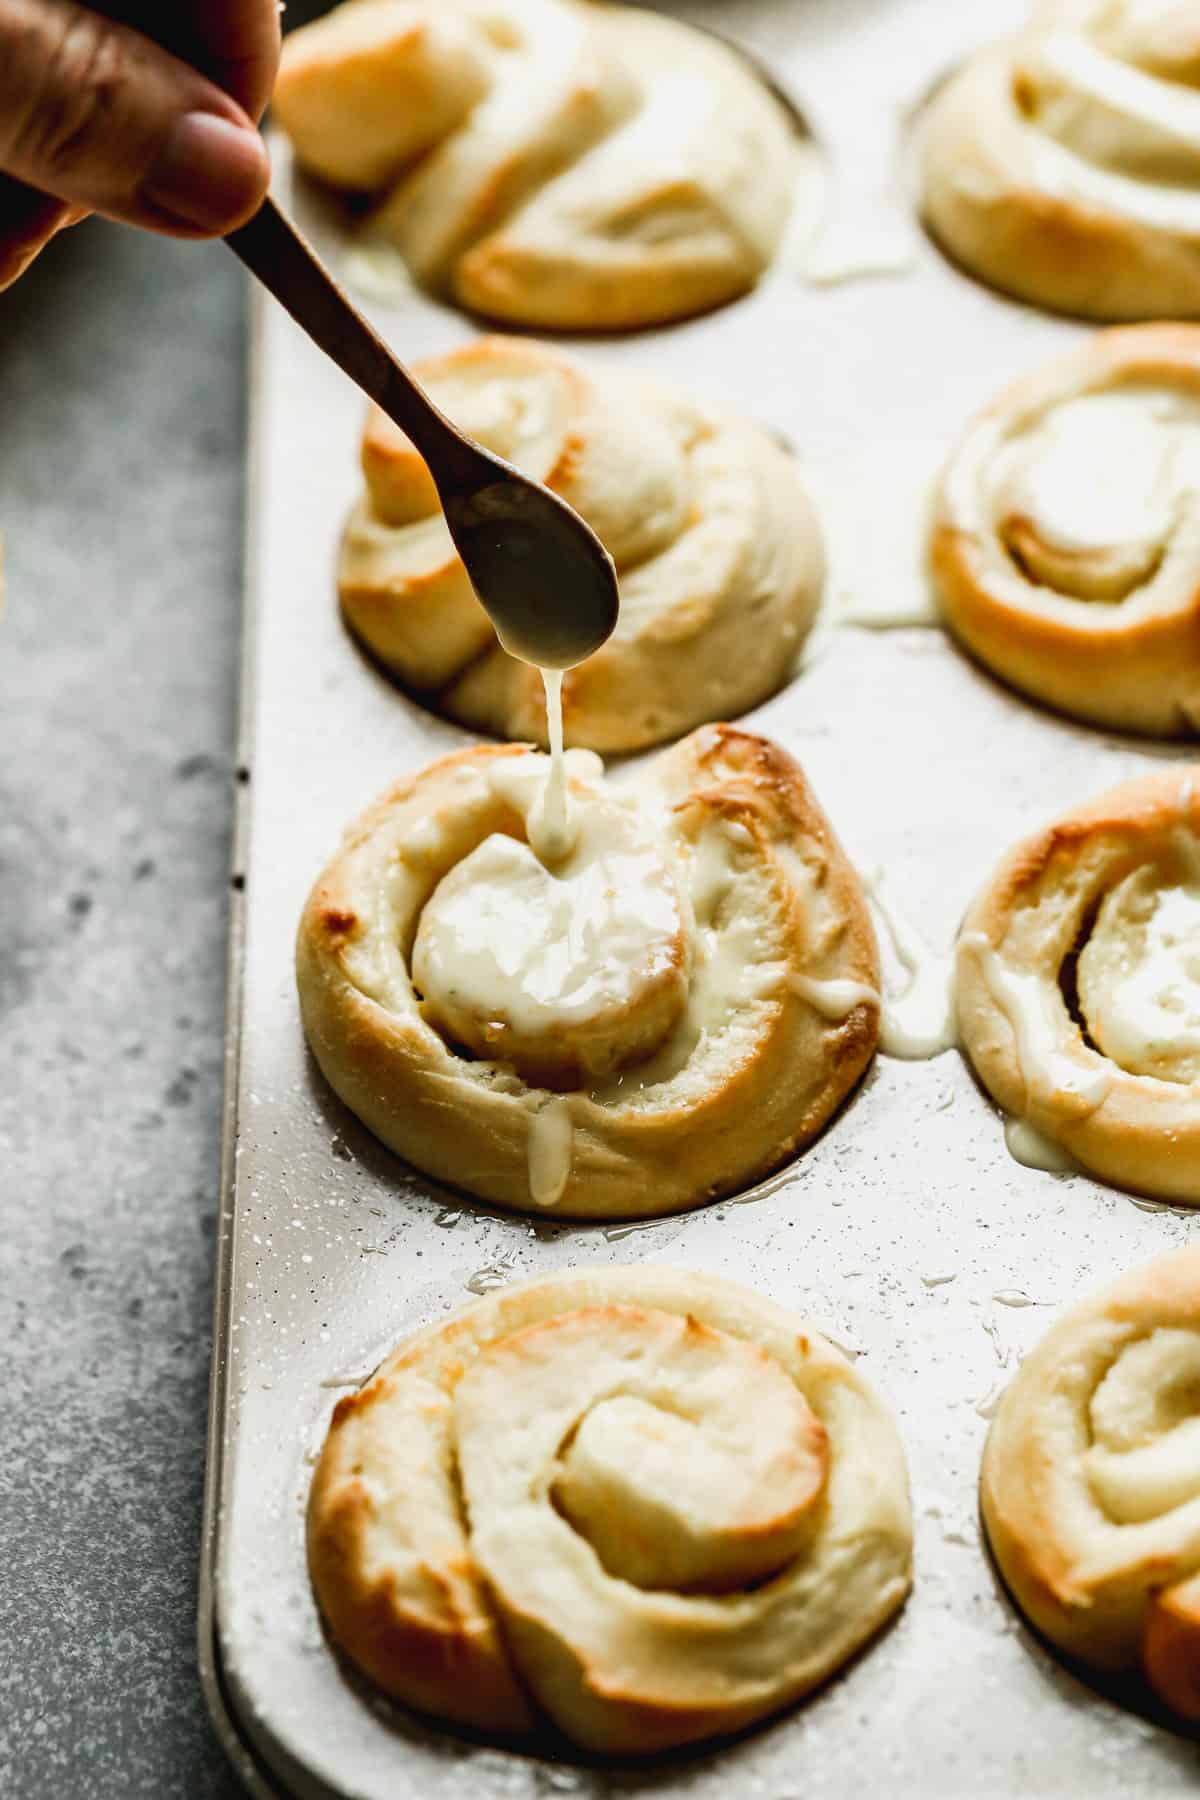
(540, 573)
(552, 600)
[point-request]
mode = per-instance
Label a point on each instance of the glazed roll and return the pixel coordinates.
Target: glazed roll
(558, 1505)
(1063, 165)
(1091, 1480)
(1066, 541)
(1079, 984)
(623, 999)
(715, 542)
(544, 162)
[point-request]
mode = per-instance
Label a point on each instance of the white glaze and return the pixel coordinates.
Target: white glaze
(918, 1022)
(728, 976)
(549, 823)
(520, 781)
(870, 252)
(1152, 1006)
(867, 231)
(877, 576)
(1099, 472)
(834, 1000)
(1032, 1148)
(1055, 1080)
(502, 938)
(551, 1145)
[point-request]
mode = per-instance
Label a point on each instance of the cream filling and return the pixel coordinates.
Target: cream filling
(1144, 1460)
(1139, 978)
(1055, 1081)
(1087, 497)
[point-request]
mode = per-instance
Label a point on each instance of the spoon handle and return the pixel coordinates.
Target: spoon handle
(274, 251)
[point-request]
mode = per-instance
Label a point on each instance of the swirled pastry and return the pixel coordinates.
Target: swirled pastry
(1091, 1480)
(560, 1502)
(547, 162)
(619, 1006)
(1079, 984)
(1063, 164)
(716, 546)
(1066, 543)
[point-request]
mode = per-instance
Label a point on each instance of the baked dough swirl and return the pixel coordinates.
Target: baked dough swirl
(660, 1003)
(1091, 1480)
(1079, 984)
(553, 164)
(560, 1500)
(1063, 164)
(1066, 542)
(716, 546)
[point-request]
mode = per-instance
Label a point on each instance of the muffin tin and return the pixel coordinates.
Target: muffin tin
(906, 1233)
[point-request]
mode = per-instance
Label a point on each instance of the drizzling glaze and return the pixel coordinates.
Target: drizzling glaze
(551, 1145)
(604, 950)
(918, 1022)
(1034, 1150)
(551, 836)
(564, 972)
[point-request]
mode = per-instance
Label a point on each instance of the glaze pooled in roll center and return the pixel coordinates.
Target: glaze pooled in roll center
(1087, 499)
(569, 967)
(615, 999)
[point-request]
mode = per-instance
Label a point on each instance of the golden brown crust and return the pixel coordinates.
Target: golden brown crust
(717, 549)
(1112, 1582)
(763, 1081)
(469, 1593)
(1171, 1647)
(1142, 1133)
(513, 153)
(1131, 663)
(1015, 189)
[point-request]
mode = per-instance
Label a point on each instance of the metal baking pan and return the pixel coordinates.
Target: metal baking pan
(906, 1232)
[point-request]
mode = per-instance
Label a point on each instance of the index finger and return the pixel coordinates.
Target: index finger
(235, 42)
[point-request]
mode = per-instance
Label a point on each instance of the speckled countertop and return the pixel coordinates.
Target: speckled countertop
(121, 447)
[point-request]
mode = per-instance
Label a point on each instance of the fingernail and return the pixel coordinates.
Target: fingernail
(210, 172)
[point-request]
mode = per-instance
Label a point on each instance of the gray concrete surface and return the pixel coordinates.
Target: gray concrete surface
(121, 434)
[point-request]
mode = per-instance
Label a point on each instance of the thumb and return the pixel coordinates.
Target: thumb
(96, 115)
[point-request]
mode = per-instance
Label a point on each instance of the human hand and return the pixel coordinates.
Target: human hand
(135, 109)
